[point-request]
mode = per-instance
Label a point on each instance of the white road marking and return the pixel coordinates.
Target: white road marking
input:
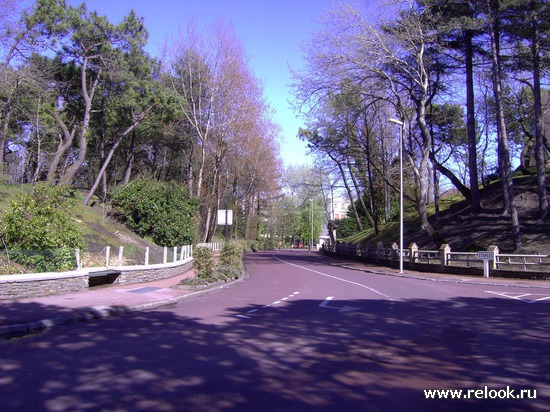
(523, 297)
(267, 306)
(324, 304)
(334, 277)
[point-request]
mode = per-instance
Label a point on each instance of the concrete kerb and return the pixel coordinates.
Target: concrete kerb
(98, 312)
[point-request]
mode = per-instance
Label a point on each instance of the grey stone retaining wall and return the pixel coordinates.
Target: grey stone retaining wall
(140, 274)
(25, 286)
(45, 284)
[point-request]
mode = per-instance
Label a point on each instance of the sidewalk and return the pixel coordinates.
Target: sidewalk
(31, 315)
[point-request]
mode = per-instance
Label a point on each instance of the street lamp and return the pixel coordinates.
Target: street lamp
(401, 126)
(311, 243)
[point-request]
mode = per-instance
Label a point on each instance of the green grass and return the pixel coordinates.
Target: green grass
(99, 229)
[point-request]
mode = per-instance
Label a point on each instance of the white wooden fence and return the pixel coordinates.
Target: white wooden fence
(443, 257)
(169, 254)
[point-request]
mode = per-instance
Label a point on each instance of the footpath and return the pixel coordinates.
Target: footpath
(27, 316)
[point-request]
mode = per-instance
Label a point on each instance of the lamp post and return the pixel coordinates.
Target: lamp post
(401, 126)
(311, 243)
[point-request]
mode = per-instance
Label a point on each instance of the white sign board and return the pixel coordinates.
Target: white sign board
(225, 217)
(485, 255)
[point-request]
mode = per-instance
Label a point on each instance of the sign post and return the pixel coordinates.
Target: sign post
(225, 217)
(486, 257)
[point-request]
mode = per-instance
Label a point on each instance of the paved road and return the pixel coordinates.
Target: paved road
(298, 335)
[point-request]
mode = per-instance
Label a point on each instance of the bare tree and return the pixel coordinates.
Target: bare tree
(510, 208)
(222, 103)
(395, 55)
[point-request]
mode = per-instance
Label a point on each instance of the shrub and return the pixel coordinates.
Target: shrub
(38, 232)
(232, 255)
(163, 211)
(228, 272)
(203, 262)
(269, 243)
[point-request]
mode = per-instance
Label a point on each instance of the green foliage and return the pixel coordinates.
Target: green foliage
(38, 231)
(269, 243)
(347, 227)
(232, 255)
(203, 262)
(163, 211)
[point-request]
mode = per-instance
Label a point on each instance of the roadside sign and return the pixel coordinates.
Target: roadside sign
(485, 255)
(225, 217)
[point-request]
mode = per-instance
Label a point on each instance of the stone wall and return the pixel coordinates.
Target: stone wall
(140, 274)
(25, 286)
(45, 284)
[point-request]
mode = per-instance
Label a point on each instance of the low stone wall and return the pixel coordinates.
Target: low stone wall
(45, 284)
(140, 274)
(42, 284)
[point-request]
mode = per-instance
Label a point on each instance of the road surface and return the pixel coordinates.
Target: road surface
(298, 335)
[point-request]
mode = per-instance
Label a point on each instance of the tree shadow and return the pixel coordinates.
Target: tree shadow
(298, 356)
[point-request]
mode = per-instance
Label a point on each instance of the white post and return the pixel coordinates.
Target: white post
(401, 127)
(77, 258)
(486, 268)
(147, 256)
(494, 250)
(165, 255)
(181, 253)
(107, 253)
(175, 257)
(120, 251)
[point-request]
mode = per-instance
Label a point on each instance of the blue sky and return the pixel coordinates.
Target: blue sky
(271, 31)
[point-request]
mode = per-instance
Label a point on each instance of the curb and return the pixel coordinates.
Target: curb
(22, 330)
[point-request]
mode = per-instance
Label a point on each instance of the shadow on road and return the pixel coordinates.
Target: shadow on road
(294, 357)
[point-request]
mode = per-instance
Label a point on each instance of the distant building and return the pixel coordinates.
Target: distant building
(339, 208)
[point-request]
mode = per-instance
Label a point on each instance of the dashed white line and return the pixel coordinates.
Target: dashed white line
(333, 277)
(251, 311)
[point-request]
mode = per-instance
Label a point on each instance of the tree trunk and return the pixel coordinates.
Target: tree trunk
(475, 201)
(65, 143)
(88, 96)
(464, 191)
(348, 190)
(130, 160)
(110, 156)
(421, 174)
(537, 105)
(503, 149)
(360, 198)
(4, 140)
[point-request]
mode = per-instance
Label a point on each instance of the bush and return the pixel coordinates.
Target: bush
(38, 232)
(269, 243)
(232, 255)
(203, 262)
(163, 211)
(228, 272)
